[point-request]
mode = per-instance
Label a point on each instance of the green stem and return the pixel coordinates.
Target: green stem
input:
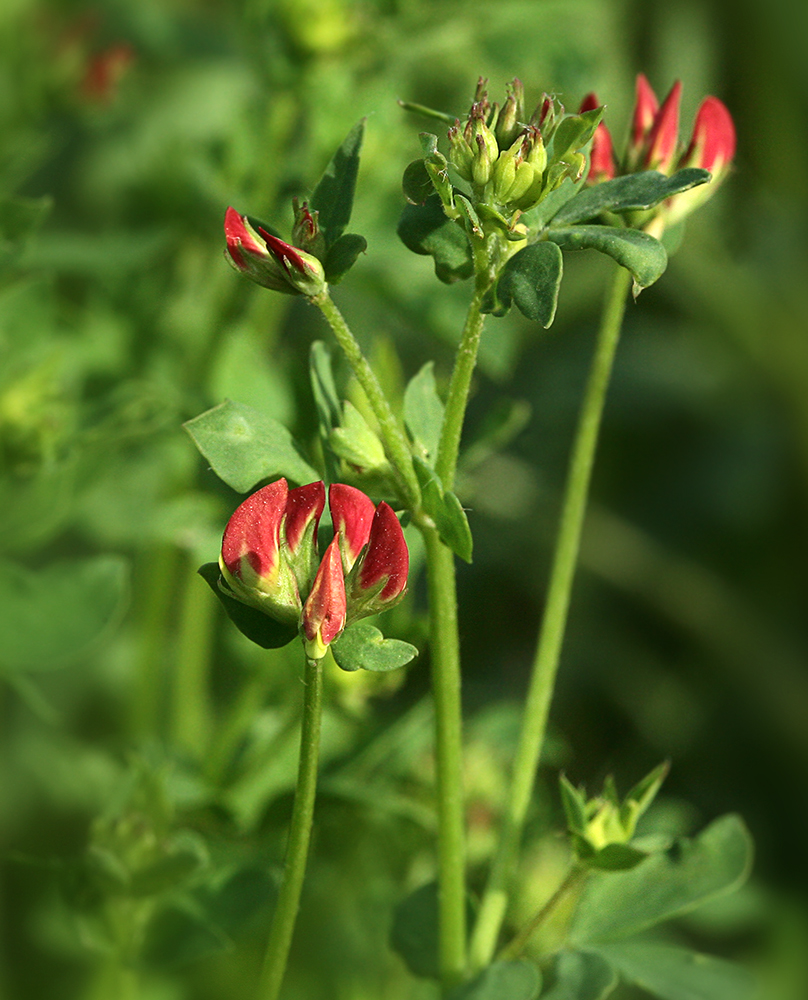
(396, 444)
(548, 650)
(574, 877)
(283, 920)
(444, 650)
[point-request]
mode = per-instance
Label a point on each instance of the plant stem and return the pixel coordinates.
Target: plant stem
(551, 634)
(517, 944)
(457, 397)
(444, 650)
(283, 920)
(396, 444)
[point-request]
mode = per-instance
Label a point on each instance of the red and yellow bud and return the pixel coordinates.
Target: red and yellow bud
(646, 107)
(602, 166)
(661, 144)
(325, 610)
(304, 506)
(251, 561)
(386, 562)
(352, 513)
(268, 260)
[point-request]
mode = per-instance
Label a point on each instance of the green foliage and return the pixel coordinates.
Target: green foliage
(640, 253)
(445, 510)
(363, 647)
(630, 193)
(245, 447)
(502, 981)
(531, 279)
(423, 412)
(581, 975)
(426, 230)
(333, 197)
(258, 627)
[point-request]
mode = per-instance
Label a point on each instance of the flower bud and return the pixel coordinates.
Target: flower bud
(268, 261)
(509, 122)
(379, 578)
(352, 513)
(252, 562)
(461, 154)
(660, 152)
(306, 230)
(646, 107)
(304, 507)
(602, 166)
(324, 612)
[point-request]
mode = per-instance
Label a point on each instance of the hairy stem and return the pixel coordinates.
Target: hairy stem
(395, 442)
(551, 634)
(283, 920)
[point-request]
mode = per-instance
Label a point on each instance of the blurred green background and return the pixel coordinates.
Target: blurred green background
(138, 731)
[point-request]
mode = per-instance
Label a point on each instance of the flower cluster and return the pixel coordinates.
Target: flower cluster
(502, 151)
(654, 145)
(268, 260)
(270, 559)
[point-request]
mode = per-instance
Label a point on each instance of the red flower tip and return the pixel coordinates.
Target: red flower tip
(589, 103)
(240, 237)
(602, 166)
(284, 251)
(660, 153)
(352, 513)
(646, 107)
(713, 144)
(252, 536)
(386, 555)
(303, 505)
(325, 609)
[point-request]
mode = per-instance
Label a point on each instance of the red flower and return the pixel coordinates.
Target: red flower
(268, 261)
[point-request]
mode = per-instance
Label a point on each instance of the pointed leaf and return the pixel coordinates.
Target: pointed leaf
(531, 279)
(49, 616)
(334, 194)
(258, 627)
(616, 858)
(414, 934)
(445, 510)
(634, 192)
(573, 132)
(520, 980)
(423, 411)
(690, 873)
(640, 253)
(672, 973)
(425, 229)
(416, 183)
(574, 805)
(581, 975)
(245, 446)
(342, 256)
(363, 647)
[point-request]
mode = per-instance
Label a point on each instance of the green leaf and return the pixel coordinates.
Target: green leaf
(640, 253)
(258, 627)
(581, 975)
(691, 872)
(414, 933)
(423, 411)
(323, 387)
(342, 256)
(416, 183)
(616, 858)
(677, 973)
(531, 279)
(634, 192)
(334, 194)
(520, 980)
(445, 510)
(50, 616)
(574, 804)
(244, 446)
(573, 132)
(536, 219)
(363, 647)
(425, 229)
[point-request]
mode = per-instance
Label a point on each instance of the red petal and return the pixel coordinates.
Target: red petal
(253, 532)
(325, 608)
(386, 556)
(304, 504)
(352, 513)
(645, 111)
(664, 135)
(713, 143)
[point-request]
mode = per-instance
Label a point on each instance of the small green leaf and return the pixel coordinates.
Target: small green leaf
(416, 183)
(643, 793)
(641, 254)
(472, 222)
(334, 194)
(184, 859)
(581, 975)
(616, 858)
(536, 219)
(326, 401)
(691, 872)
(414, 934)
(244, 446)
(425, 229)
(531, 279)
(356, 441)
(50, 616)
(672, 973)
(574, 804)
(423, 411)
(258, 627)
(445, 510)
(520, 980)
(342, 256)
(363, 647)
(573, 132)
(634, 192)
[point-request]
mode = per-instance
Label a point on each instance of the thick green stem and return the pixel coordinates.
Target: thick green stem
(396, 444)
(551, 634)
(283, 920)
(445, 655)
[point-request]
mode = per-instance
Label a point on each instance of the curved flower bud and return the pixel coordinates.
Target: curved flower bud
(511, 117)
(352, 513)
(660, 152)
(324, 612)
(268, 261)
(602, 166)
(304, 506)
(646, 107)
(252, 563)
(379, 578)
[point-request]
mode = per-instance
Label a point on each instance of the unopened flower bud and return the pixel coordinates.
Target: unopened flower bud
(660, 153)
(602, 165)
(461, 154)
(380, 578)
(352, 512)
(324, 612)
(646, 107)
(268, 260)
(304, 507)
(306, 230)
(510, 119)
